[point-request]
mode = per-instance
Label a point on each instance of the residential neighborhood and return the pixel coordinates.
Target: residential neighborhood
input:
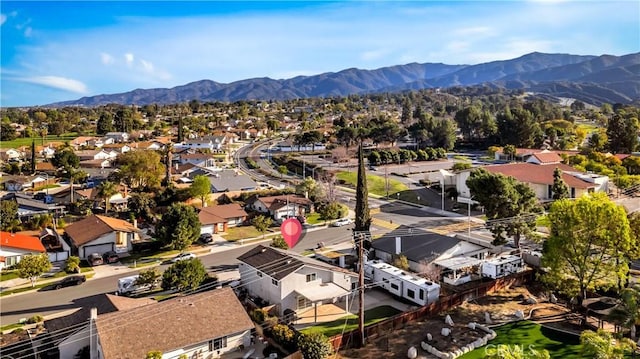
(401, 209)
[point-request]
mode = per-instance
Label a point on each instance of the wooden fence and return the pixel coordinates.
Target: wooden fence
(352, 338)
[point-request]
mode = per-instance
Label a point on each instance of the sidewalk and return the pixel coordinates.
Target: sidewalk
(119, 268)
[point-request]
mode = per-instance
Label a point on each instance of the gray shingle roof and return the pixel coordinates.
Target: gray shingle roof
(421, 245)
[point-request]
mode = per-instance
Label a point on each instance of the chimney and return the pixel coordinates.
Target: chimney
(93, 314)
(398, 245)
(135, 223)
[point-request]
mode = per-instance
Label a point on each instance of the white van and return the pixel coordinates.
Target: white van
(128, 286)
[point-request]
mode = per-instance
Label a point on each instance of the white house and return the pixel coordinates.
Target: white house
(100, 234)
(218, 218)
(280, 207)
(213, 144)
(293, 283)
(117, 136)
(540, 178)
(14, 246)
(203, 325)
(422, 248)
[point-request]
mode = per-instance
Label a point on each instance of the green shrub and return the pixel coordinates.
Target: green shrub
(284, 335)
(72, 265)
(314, 346)
(258, 315)
(35, 319)
(279, 242)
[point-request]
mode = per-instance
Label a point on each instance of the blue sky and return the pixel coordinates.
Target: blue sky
(54, 51)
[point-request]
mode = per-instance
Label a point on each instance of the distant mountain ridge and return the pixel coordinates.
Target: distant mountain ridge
(593, 79)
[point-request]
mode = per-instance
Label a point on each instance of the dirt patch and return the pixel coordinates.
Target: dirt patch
(501, 306)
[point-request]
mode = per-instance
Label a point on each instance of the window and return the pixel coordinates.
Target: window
(120, 236)
(258, 273)
(421, 294)
(217, 344)
(411, 293)
(274, 282)
(394, 286)
(311, 277)
(303, 303)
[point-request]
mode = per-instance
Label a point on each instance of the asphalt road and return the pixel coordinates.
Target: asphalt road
(48, 302)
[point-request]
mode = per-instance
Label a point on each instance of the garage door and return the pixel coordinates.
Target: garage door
(206, 229)
(98, 248)
(58, 256)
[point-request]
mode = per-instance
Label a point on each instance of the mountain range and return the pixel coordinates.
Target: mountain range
(592, 79)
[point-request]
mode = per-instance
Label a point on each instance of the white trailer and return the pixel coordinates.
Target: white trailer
(401, 283)
(502, 266)
(128, 286)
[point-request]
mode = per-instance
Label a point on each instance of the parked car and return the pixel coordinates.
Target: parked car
(95, 259)
(342, 222)
(71, 280)
(182, 257)
(206, 238)
(111, 257)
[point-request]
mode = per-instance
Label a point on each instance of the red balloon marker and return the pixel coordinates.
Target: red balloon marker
(291, 229)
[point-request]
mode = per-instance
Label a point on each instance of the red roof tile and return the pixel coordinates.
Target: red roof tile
(20, 241)
(539, 174)
(547, 157)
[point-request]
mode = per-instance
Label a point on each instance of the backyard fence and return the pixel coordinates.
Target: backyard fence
(352, 338)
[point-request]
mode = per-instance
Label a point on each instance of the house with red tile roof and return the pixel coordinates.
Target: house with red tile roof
(540, 178)
(544, 158)
(14, 246)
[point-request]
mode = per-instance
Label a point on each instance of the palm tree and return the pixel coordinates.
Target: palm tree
(107, 189)
(627, 313)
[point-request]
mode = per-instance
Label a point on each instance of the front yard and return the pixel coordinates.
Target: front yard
(234, 234)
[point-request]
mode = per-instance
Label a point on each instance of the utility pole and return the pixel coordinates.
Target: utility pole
(361, 230)
(361, 236)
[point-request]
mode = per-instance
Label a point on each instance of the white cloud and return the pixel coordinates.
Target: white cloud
(106, 58)
(374, 54)
(128, 57)
(3, 19)
(458, 45)
(28, 31)
(57, 82)
(146, 65)
(474, 31)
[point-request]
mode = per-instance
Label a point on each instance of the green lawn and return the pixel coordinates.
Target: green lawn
(243, 232)
(27, 141)
(534, 336)
(350, 322)
(375, 184)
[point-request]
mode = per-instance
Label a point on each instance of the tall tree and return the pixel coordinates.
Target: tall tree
(168, 159)
(179, 227)
(106, 190)
(559, 190)
(510, 205)
(140, 169)
(184, 275)
(201, 188)
(363, 217)
(33, 156)
(33, 266)
(141, 205)
(586, 246)
(9, 220)
(622, 132)
(105, 123)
